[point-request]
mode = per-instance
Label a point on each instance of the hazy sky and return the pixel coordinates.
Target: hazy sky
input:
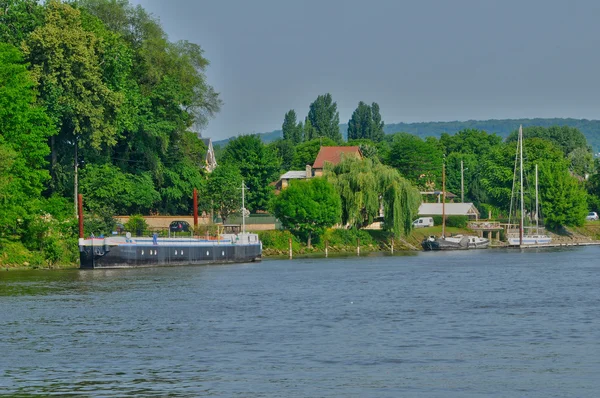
(420, 60)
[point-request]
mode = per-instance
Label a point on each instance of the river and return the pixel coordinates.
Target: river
(503, 323)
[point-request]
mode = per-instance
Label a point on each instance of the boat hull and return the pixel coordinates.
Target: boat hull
(429, 244)
(166, 254)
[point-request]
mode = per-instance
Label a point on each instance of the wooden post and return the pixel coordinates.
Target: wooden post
(358, 246)
(290, 246)
(392, 245)
(326, 252)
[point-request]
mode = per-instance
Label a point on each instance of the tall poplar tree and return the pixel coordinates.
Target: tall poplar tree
(292, 131)
(325, 118)
(366, 123)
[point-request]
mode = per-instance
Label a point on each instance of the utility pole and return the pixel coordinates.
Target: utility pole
(462, 183)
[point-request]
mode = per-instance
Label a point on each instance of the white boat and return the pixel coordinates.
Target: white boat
(455, 242)
(532, 235)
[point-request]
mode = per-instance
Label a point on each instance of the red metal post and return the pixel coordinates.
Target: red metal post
(195, 208)
(80, 214)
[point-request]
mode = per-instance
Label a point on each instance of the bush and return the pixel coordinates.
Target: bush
(136, 224)
(278, 240)
(346, 237)
(99, 224)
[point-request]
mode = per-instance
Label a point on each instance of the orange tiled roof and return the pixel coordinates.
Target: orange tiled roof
(333, 154)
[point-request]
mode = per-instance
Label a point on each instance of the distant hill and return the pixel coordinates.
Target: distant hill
(502, 127)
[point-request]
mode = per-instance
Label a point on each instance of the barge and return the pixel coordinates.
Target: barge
(127, 252)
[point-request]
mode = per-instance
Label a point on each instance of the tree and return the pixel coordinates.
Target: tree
(259, 166)
(285, 149)
(366, 187)
(366, 123)
(325, 118)
(377, 133)
(223, 190)
(417, 160)
(24, 129)
(563, 199)
(309, 132)
(565, 137)
(307, 207)
(107, 187)
(581, 161)
(469, 141)
(18, 18)
(292, 131)
(66, 64)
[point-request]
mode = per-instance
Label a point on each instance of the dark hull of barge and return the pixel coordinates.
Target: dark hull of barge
(132, 256)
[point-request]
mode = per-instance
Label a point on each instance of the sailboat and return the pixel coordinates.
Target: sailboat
(455, 242)
(532, 236)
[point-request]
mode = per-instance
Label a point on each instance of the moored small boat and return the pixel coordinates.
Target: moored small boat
(456, 242)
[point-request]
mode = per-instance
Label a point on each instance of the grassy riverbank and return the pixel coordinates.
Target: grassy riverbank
(276, 243)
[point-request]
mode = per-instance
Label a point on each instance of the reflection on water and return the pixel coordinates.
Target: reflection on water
(495, 322)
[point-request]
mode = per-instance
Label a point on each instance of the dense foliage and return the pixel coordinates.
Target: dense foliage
(307, 207)
(94, 99)
(366, 123)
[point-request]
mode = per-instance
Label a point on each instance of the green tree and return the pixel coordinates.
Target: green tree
(307, 207)
(469, 141)
(224, 190)
(366, 123)
(106, 187)
(565, 137)
(286, 150)
(581, 161)
(66, 64)
(259, 166)
(366, 188)
(18, 18)
(417, 160)
(308, 131)
(325, 118)
(292, 131)
(24, 130)
(377, 133)
(563, 198)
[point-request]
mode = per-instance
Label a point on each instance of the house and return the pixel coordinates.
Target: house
(451, 209)
(333, 155)
(284, 180)
(210, 160)
(327, 154)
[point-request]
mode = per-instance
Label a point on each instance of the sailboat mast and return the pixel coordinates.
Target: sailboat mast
(443, 199)
(521, 182)
(537, 216)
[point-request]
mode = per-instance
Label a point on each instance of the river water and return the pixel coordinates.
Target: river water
(477, 323)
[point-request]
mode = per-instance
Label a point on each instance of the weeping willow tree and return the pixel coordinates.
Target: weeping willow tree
(365, 187)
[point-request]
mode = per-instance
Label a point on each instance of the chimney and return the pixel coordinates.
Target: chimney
(308, 171)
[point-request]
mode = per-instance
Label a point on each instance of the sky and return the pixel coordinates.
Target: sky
(426, 60)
